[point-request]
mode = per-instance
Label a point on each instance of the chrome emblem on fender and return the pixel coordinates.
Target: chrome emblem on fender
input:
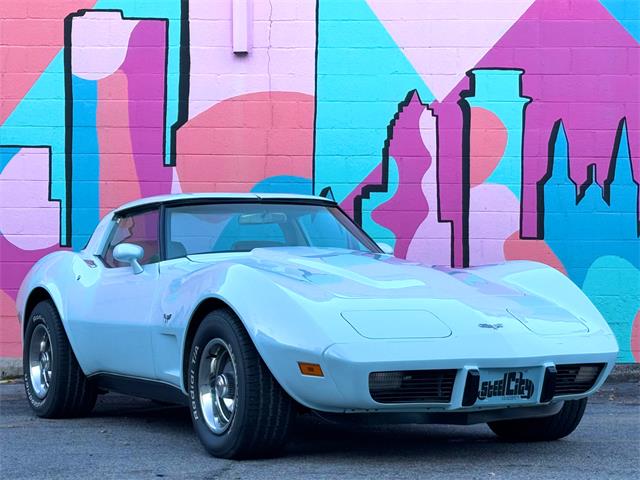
(494, 326)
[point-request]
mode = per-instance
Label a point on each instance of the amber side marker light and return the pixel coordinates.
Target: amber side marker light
(312, 369)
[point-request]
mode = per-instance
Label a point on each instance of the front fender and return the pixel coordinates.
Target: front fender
(546, 282)
(280, 314)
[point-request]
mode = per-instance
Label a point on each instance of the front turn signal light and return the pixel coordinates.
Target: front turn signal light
(311, 369)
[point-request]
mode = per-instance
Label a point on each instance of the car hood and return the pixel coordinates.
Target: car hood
(352, 274)
(348, 274)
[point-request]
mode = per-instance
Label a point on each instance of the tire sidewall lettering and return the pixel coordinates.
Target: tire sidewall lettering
(193, 387)
(193, 397)
(34, 321)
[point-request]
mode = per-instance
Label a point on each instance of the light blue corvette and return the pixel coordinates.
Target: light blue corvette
(254, 308)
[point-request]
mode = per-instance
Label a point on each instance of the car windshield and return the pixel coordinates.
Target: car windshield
(241, 227)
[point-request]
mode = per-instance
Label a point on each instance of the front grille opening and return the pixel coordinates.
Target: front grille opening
(412, 386)
(576, 378)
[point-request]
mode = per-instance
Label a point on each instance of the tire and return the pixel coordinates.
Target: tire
(66, 392)
(262, 413)
(542, 429)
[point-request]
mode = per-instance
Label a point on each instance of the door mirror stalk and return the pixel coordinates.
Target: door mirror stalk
(131, 254)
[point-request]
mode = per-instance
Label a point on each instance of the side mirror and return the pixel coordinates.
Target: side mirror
(131, 254)
(386, 248)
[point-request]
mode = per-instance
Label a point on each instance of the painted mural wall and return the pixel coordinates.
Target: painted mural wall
(462, 133)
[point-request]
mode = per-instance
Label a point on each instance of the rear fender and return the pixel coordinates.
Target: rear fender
(55, 274)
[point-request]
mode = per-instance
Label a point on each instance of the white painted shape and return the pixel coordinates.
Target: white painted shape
(444, 39)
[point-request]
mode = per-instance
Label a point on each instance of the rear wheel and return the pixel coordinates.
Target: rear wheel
(55, 385)
(542, 429)
(238, 409)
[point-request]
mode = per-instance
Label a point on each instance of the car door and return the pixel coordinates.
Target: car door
(111, 319)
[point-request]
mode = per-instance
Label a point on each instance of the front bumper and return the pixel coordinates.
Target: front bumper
(345, 386)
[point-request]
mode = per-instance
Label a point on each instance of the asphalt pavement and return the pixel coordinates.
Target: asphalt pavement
(127, 438)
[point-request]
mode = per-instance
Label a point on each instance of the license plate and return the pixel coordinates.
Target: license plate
(499, 386)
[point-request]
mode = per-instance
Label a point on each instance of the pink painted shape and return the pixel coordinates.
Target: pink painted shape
(431, 243)
(591, 93)
(145, 69)
(494, 211)
(27, 218)
(175, 182)
(24, 25)
(10, 344)
(488, 140)
(635, 337)
(443, 40)
(243, 140)
(406, 210)
(494, 216)
(118, 178)
(516, 248)
(282, 56)
(100, 40)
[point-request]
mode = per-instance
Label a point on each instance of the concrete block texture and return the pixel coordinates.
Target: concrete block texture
(461, 133)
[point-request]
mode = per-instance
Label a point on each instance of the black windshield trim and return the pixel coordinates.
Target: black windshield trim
(180, 202)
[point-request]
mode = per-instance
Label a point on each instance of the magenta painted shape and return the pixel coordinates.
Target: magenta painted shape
(408, 208)
(16, 263)
(591, 99)
(146, 74)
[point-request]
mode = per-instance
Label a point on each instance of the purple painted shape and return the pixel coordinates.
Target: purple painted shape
(146, 75)
(590, 94)
(15, 265)
(450, 186)
(408, 207)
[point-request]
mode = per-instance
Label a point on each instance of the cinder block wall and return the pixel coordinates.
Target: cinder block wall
(462, 133)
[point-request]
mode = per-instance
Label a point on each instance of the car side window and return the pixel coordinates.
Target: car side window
(140, 229)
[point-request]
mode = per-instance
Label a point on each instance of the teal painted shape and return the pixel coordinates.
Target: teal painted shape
(6, 154)
(581, 233)
(362, 76)
(613, 285)
(598, 243)
(86, 165)
(376, 199)
(283, 184)
(627, 12)
(499, 92)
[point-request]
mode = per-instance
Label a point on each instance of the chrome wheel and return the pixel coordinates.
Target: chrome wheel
(40, 360)
(217, 387)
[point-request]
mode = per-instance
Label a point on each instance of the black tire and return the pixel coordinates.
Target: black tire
(542, 429)
(69, 393)
(263, 412)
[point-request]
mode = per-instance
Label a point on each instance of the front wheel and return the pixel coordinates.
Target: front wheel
(238, 409)
(542, 429)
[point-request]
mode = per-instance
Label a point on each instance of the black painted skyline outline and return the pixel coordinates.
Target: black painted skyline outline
(591, 171)
(68, 103)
